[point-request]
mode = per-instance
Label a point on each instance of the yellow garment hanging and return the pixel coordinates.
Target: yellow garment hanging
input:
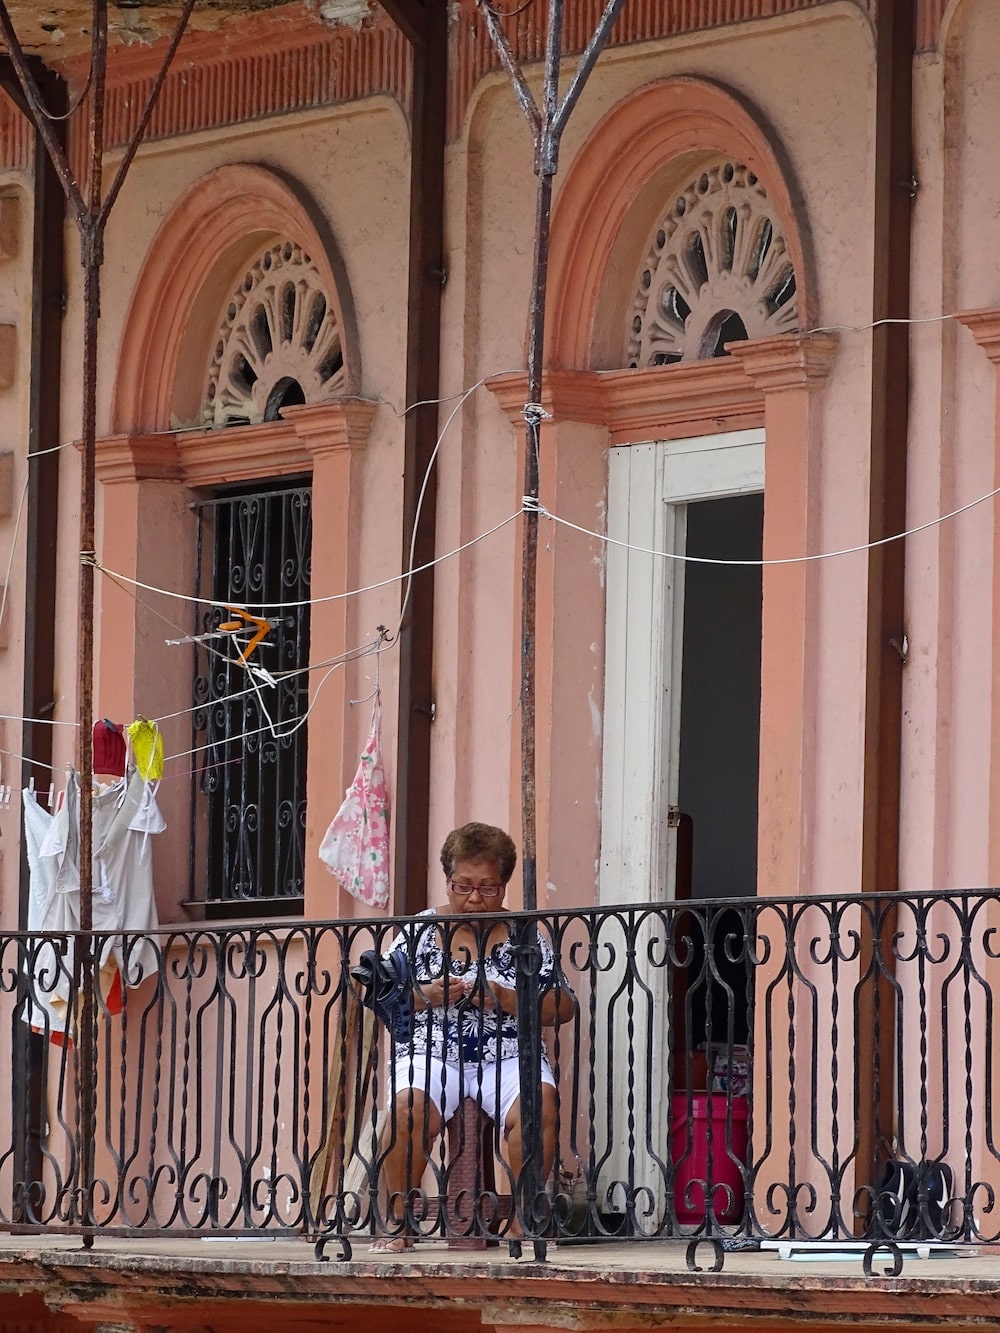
(146, 746)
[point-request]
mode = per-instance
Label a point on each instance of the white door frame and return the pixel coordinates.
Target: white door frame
(649, 487)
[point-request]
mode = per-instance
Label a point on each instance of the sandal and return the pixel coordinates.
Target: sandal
(396, 1244)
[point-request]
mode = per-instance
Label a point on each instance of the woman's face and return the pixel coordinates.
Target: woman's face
(475, 886)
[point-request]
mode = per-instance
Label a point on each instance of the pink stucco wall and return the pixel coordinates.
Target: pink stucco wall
(788, 73)
(800, 87)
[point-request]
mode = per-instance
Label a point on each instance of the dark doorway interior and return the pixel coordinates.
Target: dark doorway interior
(719, 744)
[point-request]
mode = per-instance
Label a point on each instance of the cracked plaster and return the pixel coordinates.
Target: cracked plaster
(60, 29)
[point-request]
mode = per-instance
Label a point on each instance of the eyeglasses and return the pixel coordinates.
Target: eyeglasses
(484, 890)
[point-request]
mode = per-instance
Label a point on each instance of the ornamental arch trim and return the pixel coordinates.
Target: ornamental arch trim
(278, 343)
(204, 248)
(646, 149)
(716, 270)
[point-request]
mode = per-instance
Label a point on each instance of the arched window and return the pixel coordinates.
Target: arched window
(716, 270)
(235, 413)
(278, 344)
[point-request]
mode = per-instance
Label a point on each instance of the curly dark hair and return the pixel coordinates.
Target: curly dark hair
(479, 842)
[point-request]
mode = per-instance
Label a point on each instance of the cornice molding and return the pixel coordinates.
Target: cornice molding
(325, 428)
(131, 458)
(672, 402)
(221, 457)
(984, 325)
(218, 457)
(269, 64)
(787, 362)
(241, 453)
(690, 398)
(267, 67)
(567, 395)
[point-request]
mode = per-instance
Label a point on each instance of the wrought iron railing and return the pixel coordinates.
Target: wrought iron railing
(801, 1068)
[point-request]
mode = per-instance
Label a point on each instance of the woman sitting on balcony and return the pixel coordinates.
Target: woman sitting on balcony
(464, 1040)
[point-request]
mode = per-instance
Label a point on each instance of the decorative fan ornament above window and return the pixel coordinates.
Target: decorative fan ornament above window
(278, 344)
(717, 271)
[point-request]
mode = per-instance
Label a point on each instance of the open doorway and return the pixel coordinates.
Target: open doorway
(681, 738)
(719, 743)
(682, 684)
(719, 739)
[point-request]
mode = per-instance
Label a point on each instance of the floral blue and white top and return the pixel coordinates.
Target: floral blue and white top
(473, 1028)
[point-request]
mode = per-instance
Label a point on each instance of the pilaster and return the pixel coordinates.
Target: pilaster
(984, 325)
(789, 370)
(333, 436)
(569, 654)
(142, 512)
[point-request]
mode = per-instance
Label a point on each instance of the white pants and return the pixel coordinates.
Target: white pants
(495, 1087)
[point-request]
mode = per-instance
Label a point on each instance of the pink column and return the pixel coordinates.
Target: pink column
(789, 370)
(144, 514)
(335, 434)
(985, 328)
(137, 473)
(569, 651)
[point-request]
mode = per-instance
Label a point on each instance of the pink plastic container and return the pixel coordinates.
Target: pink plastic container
(689, 1152)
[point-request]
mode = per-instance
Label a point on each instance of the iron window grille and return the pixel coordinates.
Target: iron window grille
(249, 784)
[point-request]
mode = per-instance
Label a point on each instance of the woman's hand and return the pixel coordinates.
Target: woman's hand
(504, 997)
(445, 990)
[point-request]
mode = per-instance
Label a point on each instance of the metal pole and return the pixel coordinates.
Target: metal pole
(895, 189)
(92, 256)
(547, 124)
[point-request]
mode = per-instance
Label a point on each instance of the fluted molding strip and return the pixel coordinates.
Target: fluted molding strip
(268, 66)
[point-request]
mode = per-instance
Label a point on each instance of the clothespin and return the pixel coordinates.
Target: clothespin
(260, 626)
(264, 676)
(31, 784)
(52, 794)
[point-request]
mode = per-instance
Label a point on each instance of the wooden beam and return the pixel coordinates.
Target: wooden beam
(410, 17)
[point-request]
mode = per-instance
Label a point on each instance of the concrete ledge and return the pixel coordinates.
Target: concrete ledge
(193, 1284)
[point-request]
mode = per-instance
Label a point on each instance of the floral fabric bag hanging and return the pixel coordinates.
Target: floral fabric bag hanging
(355, 848)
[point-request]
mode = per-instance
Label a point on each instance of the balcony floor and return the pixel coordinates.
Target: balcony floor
(227, 1284)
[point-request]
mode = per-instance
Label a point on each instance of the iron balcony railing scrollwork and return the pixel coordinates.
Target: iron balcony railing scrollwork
(706, 1071)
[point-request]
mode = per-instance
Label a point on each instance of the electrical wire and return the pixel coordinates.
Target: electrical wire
(315, 601)
(385, 640)
(26, 759)
(37, 721)
(877, 324)
(423, 491)
(528, 505)
(507, 13)
(277, 730)
(13, 548)
(536, 506)
(258, 731)
(56, 448)
(446, 398)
